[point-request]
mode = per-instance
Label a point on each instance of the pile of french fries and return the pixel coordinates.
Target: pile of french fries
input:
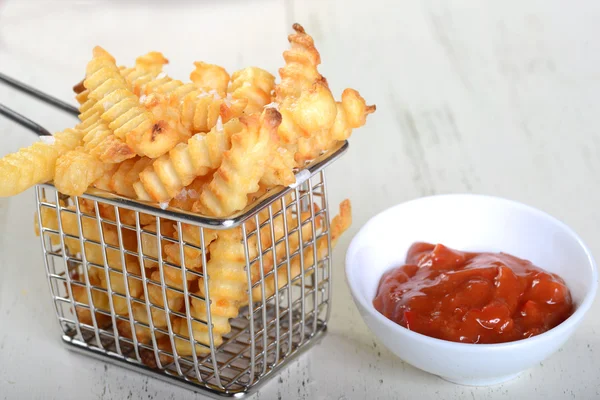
(209, 146)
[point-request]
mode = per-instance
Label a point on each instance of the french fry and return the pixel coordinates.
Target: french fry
(351, 113)
(228, 279)
(146, 69)
(36, 163)
(130, 121)
(98, 139)
(199, 109)
(210, 77)
(253, 84)
(242, 167)
(169, 174)
(76, 170)
(339, 225)
(193, 256)
(84, 314)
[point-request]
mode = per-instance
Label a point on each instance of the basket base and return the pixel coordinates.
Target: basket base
(201, 388)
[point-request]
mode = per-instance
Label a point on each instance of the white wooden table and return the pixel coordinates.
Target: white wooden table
(500, 98)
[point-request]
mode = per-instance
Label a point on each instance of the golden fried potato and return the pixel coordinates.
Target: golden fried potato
(126, 216)
(339, 225)
(228, 281)
(49, 221)
(254, 84)
(304, 98)
(117, 284)
(226, 292)
(242, 166)
(149, 242)
(147, 67)
(169, 174)
(307, 108)
(210, 77)
(186, 198)
(199, 109)
(84, 314)
(300, 70)
(76, 170)
(193, 256)
(98, 139)
(122, 179)
(140, 315)
(94, 253)
(175, 300)
(126, 117)
(312, 121)
(351, 113)
(36, 163)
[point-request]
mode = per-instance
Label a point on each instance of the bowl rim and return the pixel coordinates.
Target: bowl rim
(571, 321)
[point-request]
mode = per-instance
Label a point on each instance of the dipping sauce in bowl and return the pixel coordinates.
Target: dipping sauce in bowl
(472, 297)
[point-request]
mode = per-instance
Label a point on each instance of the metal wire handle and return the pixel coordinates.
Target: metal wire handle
(38, 94)
(24, 121)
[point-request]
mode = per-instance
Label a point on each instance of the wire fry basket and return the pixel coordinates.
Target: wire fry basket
(138, 318)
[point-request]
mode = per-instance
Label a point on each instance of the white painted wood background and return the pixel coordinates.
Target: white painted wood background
(487, 97)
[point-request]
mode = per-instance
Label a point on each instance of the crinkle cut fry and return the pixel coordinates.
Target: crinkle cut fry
(76, 170)
(312, 121)
(306, 104)
(129, 120)
(84, 314)
(93, 250)
(126, 216)
(303, 95)
(191, 233)
(94, 256)
(36, 163)
(228, 278)
(351, 113)
(186, 198)
(210, 77)
(199, 109)
(300, 70)
(339, 225)
(121, 179)
(79, 168)
(147, 67)
(140, 316)
(169, 174)
(255, 85)
(99, 140)
(242, 167)
(225, 256)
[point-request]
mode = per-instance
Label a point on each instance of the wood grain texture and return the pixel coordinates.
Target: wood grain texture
(498, 98)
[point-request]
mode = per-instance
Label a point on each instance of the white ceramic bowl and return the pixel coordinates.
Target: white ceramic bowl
(473, 223)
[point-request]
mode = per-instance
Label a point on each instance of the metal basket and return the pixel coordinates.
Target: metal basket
(287, 307)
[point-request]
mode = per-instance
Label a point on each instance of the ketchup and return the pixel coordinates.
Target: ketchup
(472, 297)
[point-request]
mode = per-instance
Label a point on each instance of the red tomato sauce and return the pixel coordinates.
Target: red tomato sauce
(472, 297)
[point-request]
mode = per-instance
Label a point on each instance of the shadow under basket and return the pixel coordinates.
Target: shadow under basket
(116, 270)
